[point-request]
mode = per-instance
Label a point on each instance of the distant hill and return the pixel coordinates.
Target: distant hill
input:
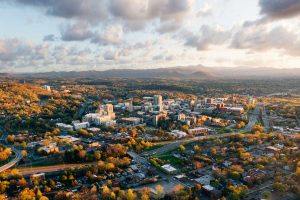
(198, 72)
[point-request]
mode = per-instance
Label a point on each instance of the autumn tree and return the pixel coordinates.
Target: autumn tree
(181, 148)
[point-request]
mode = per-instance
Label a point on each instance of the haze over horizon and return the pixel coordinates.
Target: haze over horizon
(84, 35)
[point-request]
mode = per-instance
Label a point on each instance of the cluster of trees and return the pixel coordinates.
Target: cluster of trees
(138, 145)
(240, 125)
(5, 153)
(257, 128)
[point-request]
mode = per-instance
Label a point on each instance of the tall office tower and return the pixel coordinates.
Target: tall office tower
(158, 100)
(109, 109)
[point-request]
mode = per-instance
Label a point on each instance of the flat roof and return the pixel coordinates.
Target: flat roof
(168, 168)
(208, 187)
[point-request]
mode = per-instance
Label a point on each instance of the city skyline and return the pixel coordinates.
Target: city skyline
(65, 35)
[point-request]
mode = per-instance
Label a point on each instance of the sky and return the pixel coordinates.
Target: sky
(80, 35)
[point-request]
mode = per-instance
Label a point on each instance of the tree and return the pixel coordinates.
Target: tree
(109, 166)
(130, 195)
(178, 189)
(145, 197)
(24, 153)
(240, 125)
(197, 148)
(27, 194)
(181, 148)
(81, 154)
(83, 132)
(22, 182)
(280, 187)
(3, 186)
(97, 155)
(160, 193)
(10, 138)
(258, 128)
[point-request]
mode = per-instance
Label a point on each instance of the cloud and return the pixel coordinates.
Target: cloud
(112, 35)
(170, 26)
(207, 37)
(49, 38)
(265, 37)
(279, 9)
(13, 49)
(92, 11)
(133, 14)
(15, 53)
(78, 31)
(205, 10)
(111, 55)
(138, 13)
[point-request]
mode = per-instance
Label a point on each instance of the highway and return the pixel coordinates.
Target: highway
(252, 120)
(18, 155)
(49, 169)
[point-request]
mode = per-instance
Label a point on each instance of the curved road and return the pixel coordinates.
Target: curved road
(18, 155)
(14, 161)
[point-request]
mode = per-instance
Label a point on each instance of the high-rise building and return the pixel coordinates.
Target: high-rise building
(109, 109)
(157, 100)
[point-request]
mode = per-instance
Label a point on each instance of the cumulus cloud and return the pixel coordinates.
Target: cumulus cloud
(150, 9)
(265, 38)
(134, 14)
(76, 32)
(280, 8)
(92, 11)
(207, 37)
(19, 53)
(13, 49)
(112, 35)
(138, 13)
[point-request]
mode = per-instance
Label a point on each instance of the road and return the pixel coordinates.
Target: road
(174, 145)
(252, 120)
(265, 119)
(18, 155)
(49, 169)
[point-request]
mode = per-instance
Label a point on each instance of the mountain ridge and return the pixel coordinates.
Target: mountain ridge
(180, 72)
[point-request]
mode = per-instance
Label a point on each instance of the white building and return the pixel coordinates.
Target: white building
(131, 120)
(104, 116)
(169, 168)
(81, 125)
(64, 127)
(178, 134)
(46, 87)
